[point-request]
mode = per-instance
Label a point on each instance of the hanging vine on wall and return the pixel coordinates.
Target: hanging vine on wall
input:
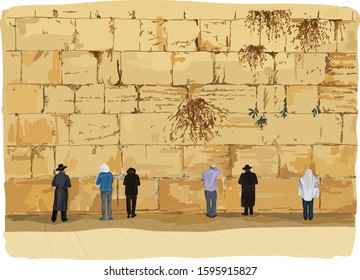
(253, 112)
(252, 56)
(262, 121)
(284, 111)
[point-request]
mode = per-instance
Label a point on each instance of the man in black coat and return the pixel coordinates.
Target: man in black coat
(61, 182)
(248, 180)
(131, 183)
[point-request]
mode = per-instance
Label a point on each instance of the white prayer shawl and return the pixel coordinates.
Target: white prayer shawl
(308, 186)
(103, 168)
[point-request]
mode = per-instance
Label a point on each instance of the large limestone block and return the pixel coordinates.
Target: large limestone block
(335, 161)
(152, 35)
(235, 99)
(94, 34)
(349, 129)
(42, 67)
(79, 67)
(12, 64)
(45, 33)
(338, 99)
(182, 35)
(338, 195)
(20, 98)
(153, 161)
(120, 99)
(147, 198)
(8, 32)
(263, 159)
(300, 69)
(94, 129)
(29, 196)
(241, 36)
(42, 161)
(38, 129)
(193, 68)
(232, 195)
(59, 99)
(197, 160)
(341, 70)
(84, 196)
(272, 44)
(346, 36)
(89, 99)
(294, 160)
(109, 68)
(127, 35)
(146, 68)
(86, 160)
(17, 162)
(270, 98)
(330, 128)
(214, 35)
(229, 69)
(161, 98)
(11, 128)
(301, 99)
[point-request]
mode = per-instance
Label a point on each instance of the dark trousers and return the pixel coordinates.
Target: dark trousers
(54, 215)
(308, 207)
(246, 210)
(131, 204)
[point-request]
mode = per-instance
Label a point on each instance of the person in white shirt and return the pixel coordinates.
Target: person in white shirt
(308, 189)
(209, 179)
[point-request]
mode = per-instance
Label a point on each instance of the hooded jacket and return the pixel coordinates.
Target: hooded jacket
(104, 179)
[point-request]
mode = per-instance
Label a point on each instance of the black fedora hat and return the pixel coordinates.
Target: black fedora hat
(131, 169)
(61, 167)
(247, 167)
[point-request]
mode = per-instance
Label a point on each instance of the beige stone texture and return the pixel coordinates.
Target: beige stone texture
(349, 129)
(153, 161)
(198, 158)
(41, 67)
(84, 196)
(20, 98)
(146, 68)
(89, 99)
(38, 129)
(294, 69)
(182, 35)
(8, 31)
(86, 160)
(330, 128)
(88, 129)
(59, 99)
(147, 198)
(273, 45)
(294, 160)
(301, 99)
(17, 162)
(264, 160)
(193, 68)
(152, 35)
(109, 68)
(45, 34)
(11, 128)
(240, 35)
(94, 34)
(79, 67)
(270, 98)
(338, 99)
(341, 70)
(235, 99)
(130, 42)
(12, 64)
(161, 98)
(346, 37)
(338, 195)
(229, 69)
(214, 35)
(42, 161)
(120, 99)
(232, 195)
(334, 161)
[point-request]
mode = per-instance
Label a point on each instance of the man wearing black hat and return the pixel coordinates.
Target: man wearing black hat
(248, 180)
(61, 182)
(131, 183)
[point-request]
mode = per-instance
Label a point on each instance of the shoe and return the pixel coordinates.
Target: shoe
(65, 220)
(213, 216)
(134, 215)
(53, 220)
(244, 214)
(128, 216)
(110, 218)
(102, 219)
(208, 216)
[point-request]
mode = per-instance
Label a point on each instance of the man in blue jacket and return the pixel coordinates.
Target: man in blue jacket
(105, 179)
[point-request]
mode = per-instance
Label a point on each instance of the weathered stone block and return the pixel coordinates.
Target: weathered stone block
(232, 195)
(94, 34)
(17, 162)
(161, 98)
(89, 99)
(42, 161)
(8, 31)
(94, 129)
(84, 196)
(193, 68)
(146, 68)
(79, 68)
(59, 99)
(45, 33)
(152, 35)
(11, 128)
(330, 127)
(241, 36)
(335, 161)
(41, 129)
(263, 159)
(41, 67)
(148, 195)
(23, 98)
(235, 99)
(182, 35)
(86, 160)
(214, 35)
(349, 129)
(12, 64)
(270, 99)
(198, 158)
(338, 99)
(120, 99)
(109, 68)
(130, 42)
(294, 160)
(153, 161)
(341, 69)
(346, 37)
(301, 99)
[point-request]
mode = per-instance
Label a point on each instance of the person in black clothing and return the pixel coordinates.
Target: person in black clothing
(131, 183)
(61, 182)
(248, 180)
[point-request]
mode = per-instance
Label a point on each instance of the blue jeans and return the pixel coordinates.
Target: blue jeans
(210, 197)
(308, 207)
(106, 199)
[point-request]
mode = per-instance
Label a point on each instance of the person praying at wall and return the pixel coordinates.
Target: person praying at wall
(248, 180)
(209, 179)
(308, 189)
(131, 183)
(104, 180)
(61, 182)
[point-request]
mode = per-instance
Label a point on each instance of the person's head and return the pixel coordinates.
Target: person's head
(212, 166)
(61, 168)
(247, 168)
(308, 172)
(104, 168)
(131, 171)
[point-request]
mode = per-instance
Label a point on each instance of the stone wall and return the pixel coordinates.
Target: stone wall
(95, 83)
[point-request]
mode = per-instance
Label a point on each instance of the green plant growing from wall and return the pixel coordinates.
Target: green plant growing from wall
(316, 111)
(252, 56)
(262, 121)
(284, 111)
(253, 112)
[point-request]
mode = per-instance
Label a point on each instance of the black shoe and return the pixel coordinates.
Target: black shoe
(65, 220)
(134, 215)
(244, 214)
(128, 216)
(53, 220)
(213, 216)
(208, 216)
